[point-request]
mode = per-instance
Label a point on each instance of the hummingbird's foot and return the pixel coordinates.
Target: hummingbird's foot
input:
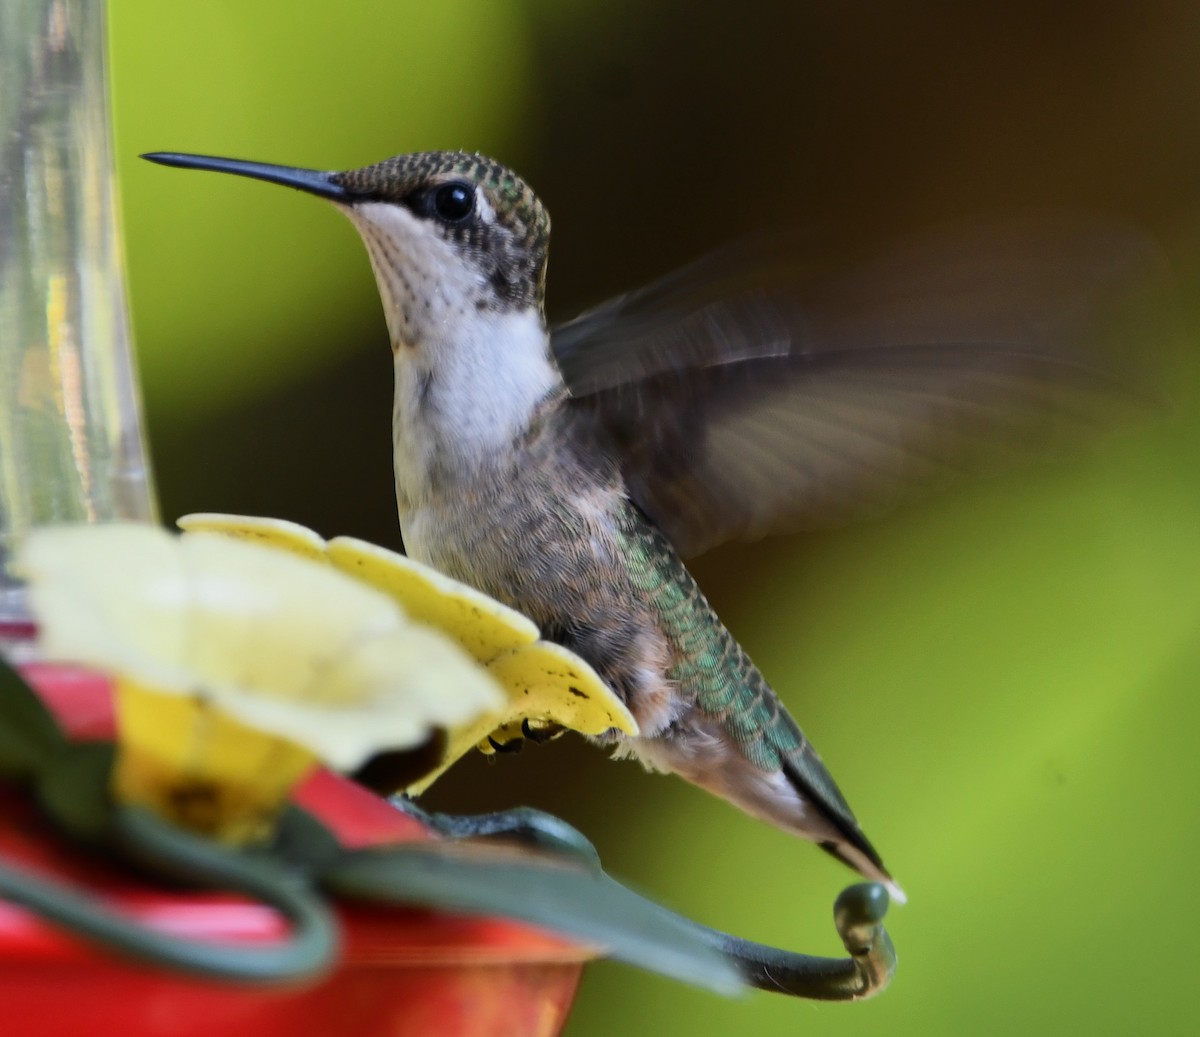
(513, 745)
(541, 733)
(858, 915)
(523, 824)
(537, 734)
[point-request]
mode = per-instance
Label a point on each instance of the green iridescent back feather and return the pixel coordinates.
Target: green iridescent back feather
(713, 670)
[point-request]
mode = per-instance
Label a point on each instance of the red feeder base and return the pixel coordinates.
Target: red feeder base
(401, 972)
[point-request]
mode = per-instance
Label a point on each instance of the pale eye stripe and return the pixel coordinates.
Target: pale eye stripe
(484, 207)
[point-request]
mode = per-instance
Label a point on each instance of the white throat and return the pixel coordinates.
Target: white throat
(468, 376)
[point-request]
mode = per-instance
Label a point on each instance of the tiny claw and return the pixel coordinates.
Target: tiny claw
(512, 746)
(540, 734)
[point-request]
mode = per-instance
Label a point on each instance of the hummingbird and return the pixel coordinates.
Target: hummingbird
(568, 472)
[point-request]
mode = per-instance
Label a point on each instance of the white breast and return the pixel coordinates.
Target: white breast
(468, 376)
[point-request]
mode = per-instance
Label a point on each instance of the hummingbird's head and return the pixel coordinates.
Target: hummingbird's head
(479, 213)
(446, 231)
(458, 244)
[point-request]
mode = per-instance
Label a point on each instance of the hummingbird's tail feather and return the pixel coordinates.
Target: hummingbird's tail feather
(866, 867)
(852, 847)
(701, 754)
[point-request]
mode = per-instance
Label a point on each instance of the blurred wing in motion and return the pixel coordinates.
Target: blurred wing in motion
(746, 397)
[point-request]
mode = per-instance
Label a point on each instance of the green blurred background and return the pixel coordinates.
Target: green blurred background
(1002, 679)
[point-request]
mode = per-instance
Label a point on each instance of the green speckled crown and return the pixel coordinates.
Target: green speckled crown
(520, 277)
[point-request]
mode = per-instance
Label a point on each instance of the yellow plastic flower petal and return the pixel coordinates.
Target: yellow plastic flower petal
(267, 620)
(482, 625)
(537, 677)
(258, 637)
(370, 688)
(270, 532)
(546, 684)
(72, 579)
(186, 760)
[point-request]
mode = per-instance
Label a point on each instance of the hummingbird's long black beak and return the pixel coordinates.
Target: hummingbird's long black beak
(311, 180)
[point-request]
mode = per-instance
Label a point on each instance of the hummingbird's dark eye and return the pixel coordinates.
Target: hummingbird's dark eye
(454, 202)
